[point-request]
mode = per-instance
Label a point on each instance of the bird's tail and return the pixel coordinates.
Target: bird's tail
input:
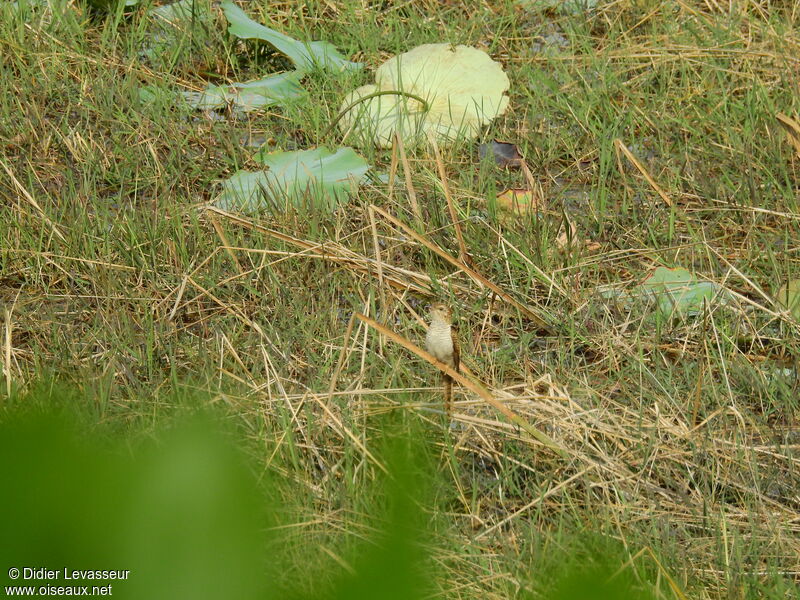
(448, 395)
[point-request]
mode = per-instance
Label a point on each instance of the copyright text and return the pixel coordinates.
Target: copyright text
(62, 582)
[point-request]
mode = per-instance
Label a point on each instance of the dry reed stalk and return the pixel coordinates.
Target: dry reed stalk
(412, 193)
(463, 255)
(620, 146)
(32, 201)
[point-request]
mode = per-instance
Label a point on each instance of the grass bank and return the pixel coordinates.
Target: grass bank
(678, 435)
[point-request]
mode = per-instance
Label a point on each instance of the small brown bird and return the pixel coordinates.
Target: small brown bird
(442, 342)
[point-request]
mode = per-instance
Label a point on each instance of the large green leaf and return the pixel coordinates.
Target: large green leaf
(316, 178)
(565, 7)
(679, 291)
(273, 89)
(111, 5)
(305, 55)
(175, 29)
(178, 11)
(673, 292)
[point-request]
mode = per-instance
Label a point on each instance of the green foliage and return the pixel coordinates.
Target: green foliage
(110, 5)
(305, 55)
(182, 10)
(433, 90)
(114, 277)
(318, 178)
(252, 95)
(183, 516)
(181, 510)
(677, 291)
(596, 585)
(571, 7)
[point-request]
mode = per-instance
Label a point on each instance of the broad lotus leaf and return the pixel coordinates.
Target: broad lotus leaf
(315, 178)
(171, 26)
(464, 88)
(378, 118)
(180, 11)
(565, 7)
(679, 291)
(16, 5)
(673, 292)
(154, 93)
(304, 55)
(111, 5)
(252, 95)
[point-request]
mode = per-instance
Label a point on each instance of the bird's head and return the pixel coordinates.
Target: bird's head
(441, 311)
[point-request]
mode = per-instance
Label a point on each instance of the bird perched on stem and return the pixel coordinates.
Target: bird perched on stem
(442, 342)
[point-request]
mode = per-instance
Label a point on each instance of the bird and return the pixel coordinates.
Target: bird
(442, 342)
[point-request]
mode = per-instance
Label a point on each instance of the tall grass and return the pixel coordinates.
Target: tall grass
(677, 435)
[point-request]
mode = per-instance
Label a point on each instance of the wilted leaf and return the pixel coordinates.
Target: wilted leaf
(318, 177)
(517, 201)
(464, 88)
(550, 43)
(505, 154)
(789, 297)
(252, 139)
(567, 236)
(274, 89)
(304, 55)
(271, 90)
(792, 128)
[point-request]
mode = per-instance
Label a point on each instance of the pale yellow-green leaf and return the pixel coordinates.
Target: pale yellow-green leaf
(464, 88)
(789, 297)
(517, 201)
(375, 120)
